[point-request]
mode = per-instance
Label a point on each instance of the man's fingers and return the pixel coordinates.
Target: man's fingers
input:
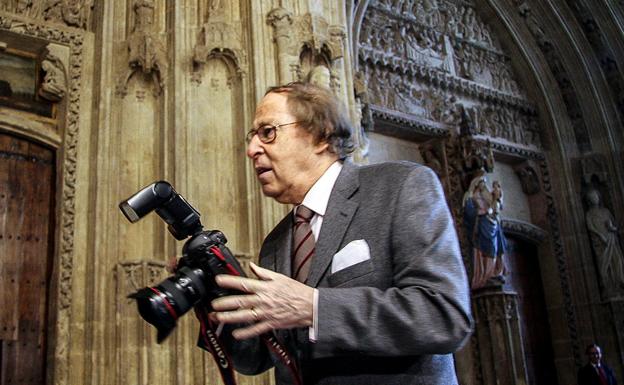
(172, 265)
(239, 316)
(233, 302)
(247, 285)
(252, 330)
(262, 273)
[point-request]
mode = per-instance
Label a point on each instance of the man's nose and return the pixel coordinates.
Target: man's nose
(254, 147)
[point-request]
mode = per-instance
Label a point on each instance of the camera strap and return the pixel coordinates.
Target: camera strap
(273, 344)
(210, 337)
(210, 341)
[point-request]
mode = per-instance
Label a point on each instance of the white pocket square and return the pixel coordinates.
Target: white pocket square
(354, 252)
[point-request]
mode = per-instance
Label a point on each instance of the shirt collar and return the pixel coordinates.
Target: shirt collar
(318, 196)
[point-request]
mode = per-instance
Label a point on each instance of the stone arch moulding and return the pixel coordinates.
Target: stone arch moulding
(528, 36)
(524, 230)
(357, 17)
(67, 152)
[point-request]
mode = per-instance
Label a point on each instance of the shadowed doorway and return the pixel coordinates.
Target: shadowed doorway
(526, 280)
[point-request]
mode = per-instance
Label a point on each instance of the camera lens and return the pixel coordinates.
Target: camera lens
(163, 304)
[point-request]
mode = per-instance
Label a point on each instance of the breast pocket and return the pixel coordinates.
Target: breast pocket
(356, 275)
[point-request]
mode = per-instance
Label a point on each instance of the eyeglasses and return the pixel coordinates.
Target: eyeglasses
(266, 133)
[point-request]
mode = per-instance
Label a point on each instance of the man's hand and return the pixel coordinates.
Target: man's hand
(274, 302)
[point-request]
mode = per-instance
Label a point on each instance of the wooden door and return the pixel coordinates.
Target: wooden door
(26, 252)
(526, 280)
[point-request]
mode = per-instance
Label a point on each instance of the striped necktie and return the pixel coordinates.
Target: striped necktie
(602, 375)
(303, 241)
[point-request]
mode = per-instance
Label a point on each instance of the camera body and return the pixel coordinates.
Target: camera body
(204, 256)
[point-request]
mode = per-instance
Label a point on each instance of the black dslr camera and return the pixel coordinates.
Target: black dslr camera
(204, 256)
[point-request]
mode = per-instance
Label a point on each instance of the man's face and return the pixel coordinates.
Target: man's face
(287, 167)
(594, 355)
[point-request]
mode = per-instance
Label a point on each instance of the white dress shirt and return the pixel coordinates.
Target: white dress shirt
(316, 200)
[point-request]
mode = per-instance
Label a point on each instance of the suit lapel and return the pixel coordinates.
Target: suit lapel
(340, 210)
(279, 248)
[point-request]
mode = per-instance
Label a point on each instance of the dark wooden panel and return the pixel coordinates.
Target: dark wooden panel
(26, 234)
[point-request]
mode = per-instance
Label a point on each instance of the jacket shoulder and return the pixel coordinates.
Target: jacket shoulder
(394, 173)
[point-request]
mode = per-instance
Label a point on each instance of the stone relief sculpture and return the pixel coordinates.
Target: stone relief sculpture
(74, 13)
(54, 84)
(146, 53)
(412, 49)
(482, 207)
(606, 244)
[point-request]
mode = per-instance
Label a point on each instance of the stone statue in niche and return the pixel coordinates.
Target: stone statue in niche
(432, 159)
(482, 207)
(364, 116)
(606, 244)
(476, 156)
(529, 181)
(146, 53)
(54, 84)
(319, 75)
(360, 88)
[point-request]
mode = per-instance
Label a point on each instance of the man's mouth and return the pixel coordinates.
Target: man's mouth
(261, 170)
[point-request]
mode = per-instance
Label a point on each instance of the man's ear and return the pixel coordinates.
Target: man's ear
(321, 147)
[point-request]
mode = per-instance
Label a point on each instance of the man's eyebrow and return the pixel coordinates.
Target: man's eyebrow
(261, 123)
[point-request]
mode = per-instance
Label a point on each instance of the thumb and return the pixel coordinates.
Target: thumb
(262, 273)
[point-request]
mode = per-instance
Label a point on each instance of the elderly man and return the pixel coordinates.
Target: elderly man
(595, 372)
(363, 281)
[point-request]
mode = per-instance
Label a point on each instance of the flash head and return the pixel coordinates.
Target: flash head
(182, 218)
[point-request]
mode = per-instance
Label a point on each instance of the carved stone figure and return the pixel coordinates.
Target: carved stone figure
(76, 12)
(54, 85)
(482, 222)
(432, 160)
(413, 50)
(606, 244)
(319, 75)
(72, 12)
(528, 178)
(23, 6)
(146, 52)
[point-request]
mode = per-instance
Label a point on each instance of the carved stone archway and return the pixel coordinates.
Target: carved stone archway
(66, 145)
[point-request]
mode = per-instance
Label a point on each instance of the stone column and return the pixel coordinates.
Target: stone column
(499, 337)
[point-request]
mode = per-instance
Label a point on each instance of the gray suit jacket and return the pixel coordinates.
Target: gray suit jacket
(394, 318)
